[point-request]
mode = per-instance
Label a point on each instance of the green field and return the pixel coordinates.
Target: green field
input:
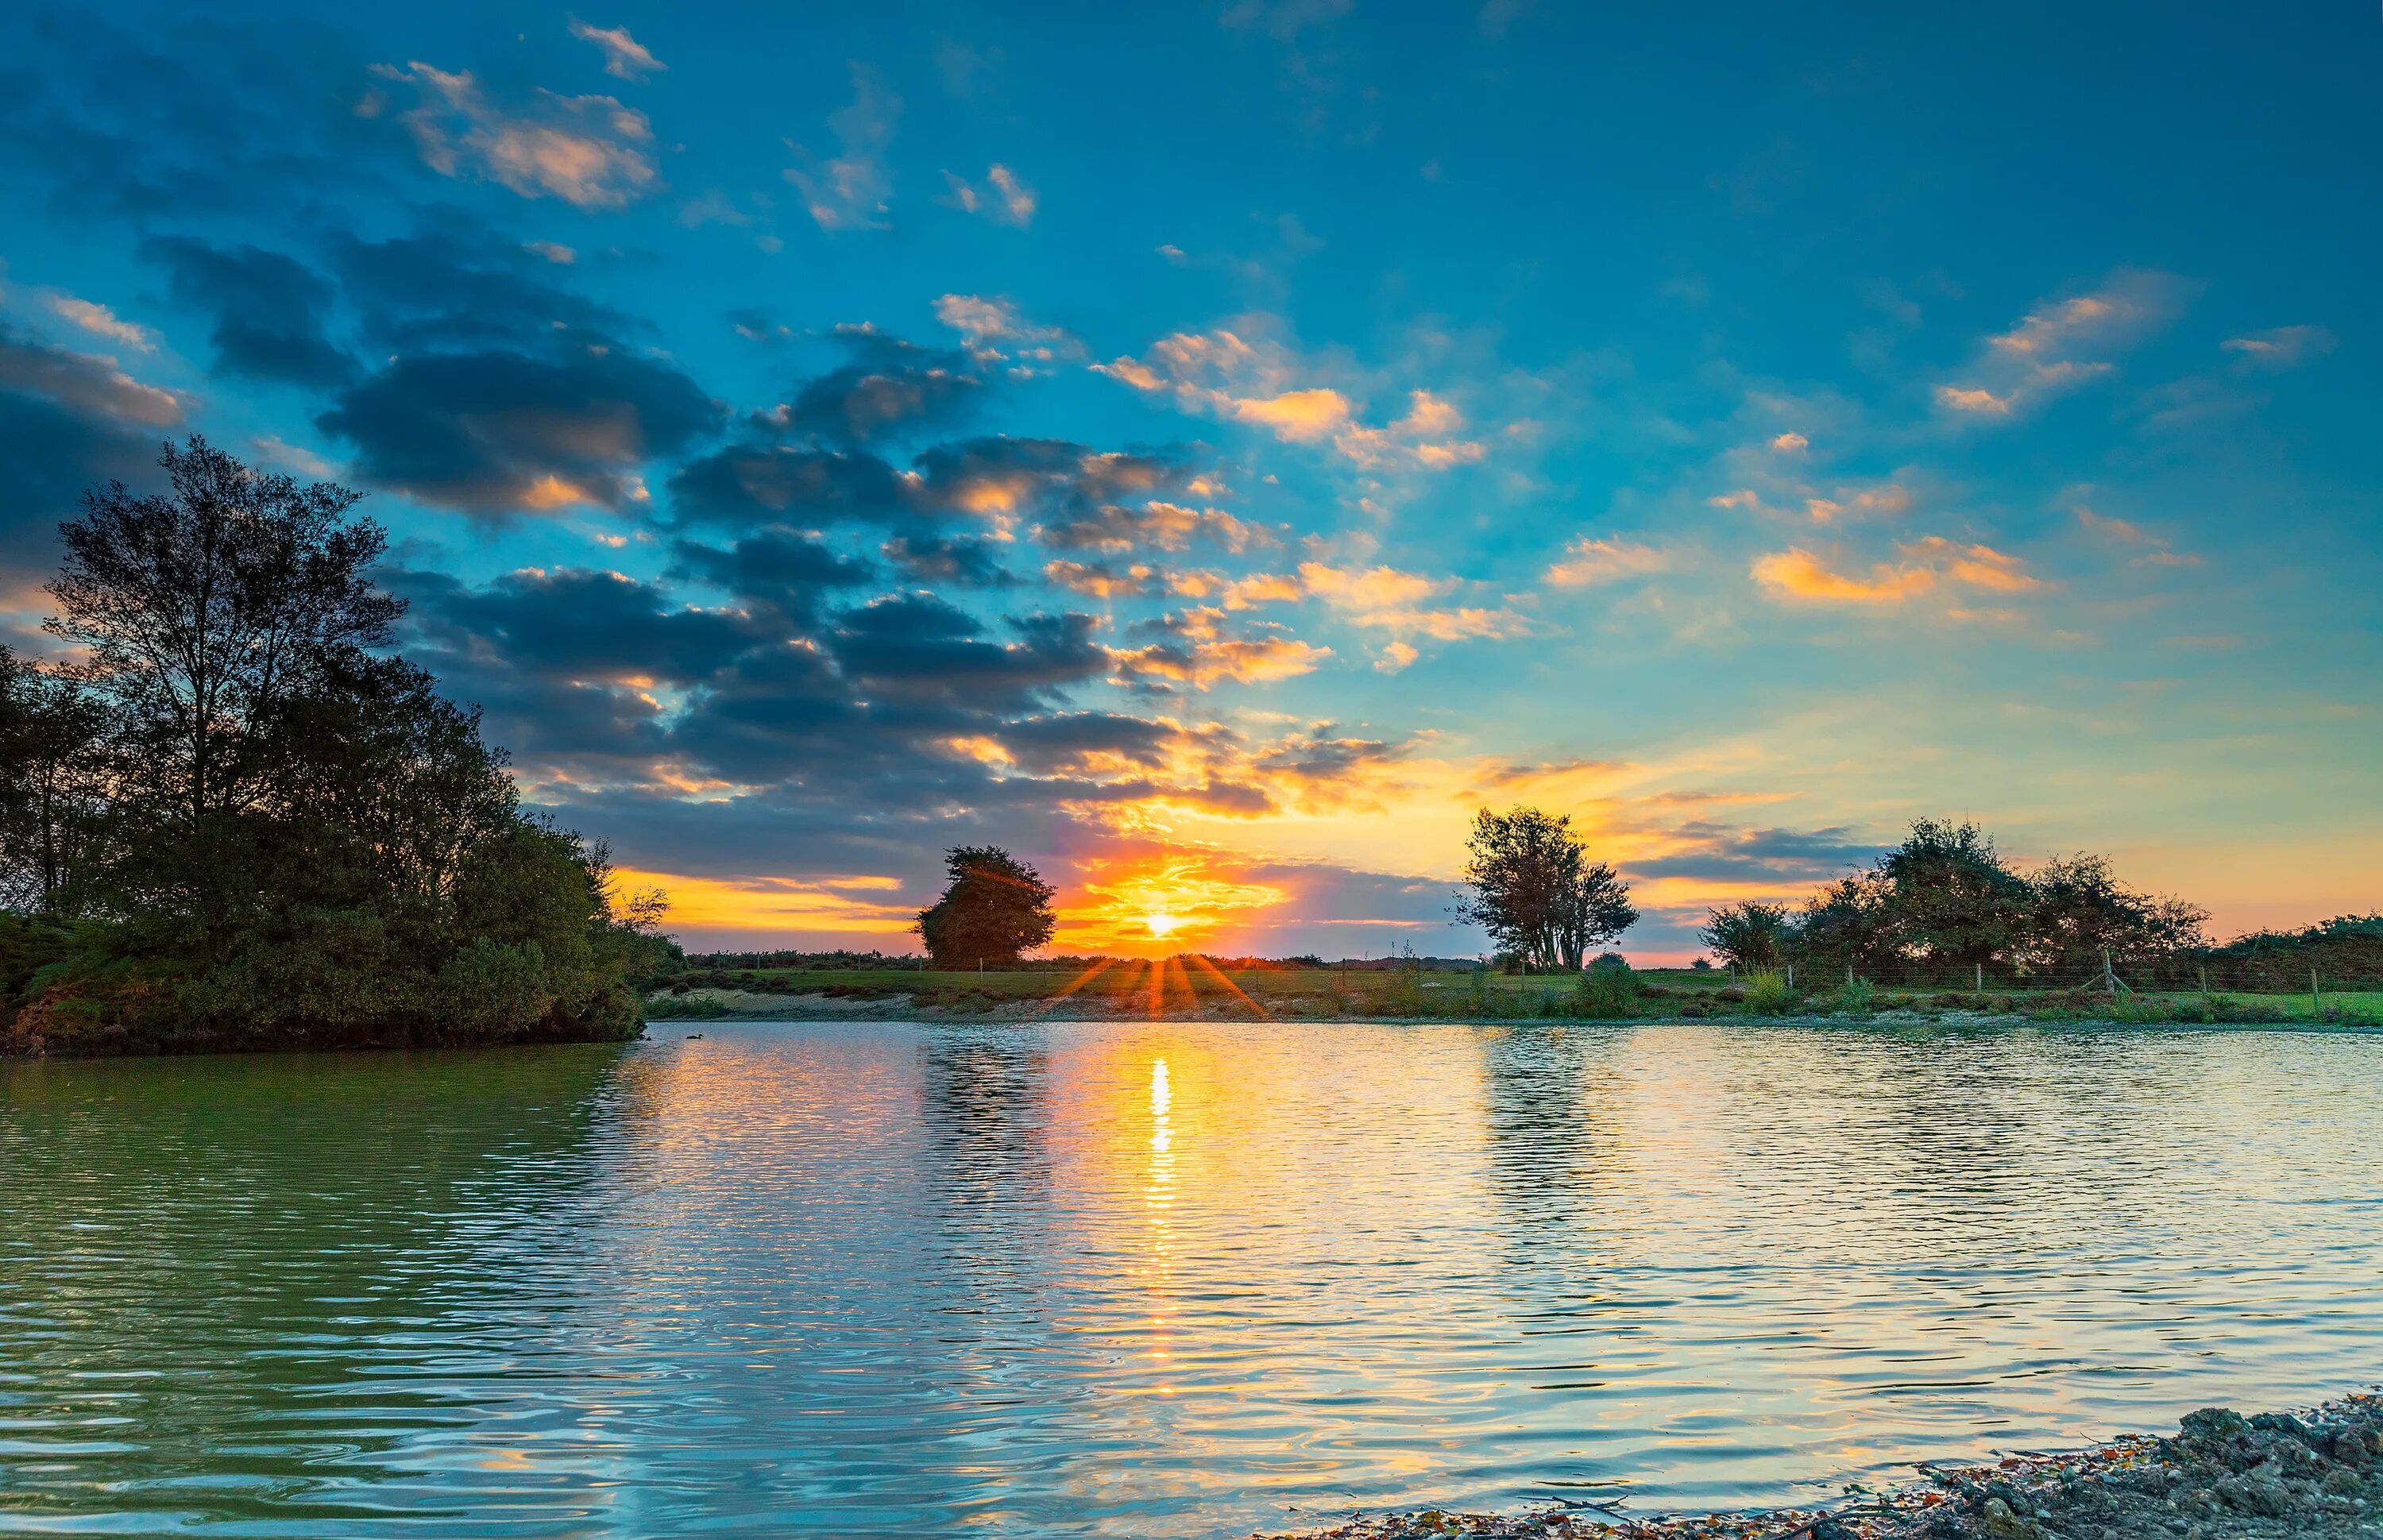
(1187, 987)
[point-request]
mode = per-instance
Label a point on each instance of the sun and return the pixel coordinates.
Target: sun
(1162, 924)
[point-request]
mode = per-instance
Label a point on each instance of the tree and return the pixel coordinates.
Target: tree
(1535, 890)
(1951, 898)
(53, 784)
(2080, 911)
(253, 828)
(1749, 934)
(204, 611)
(996, 907)
(1848, 924)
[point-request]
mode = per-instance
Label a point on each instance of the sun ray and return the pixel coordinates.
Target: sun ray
(1238, 992)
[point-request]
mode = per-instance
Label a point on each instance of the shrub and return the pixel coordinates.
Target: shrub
(1608, 988)
(1766, 992)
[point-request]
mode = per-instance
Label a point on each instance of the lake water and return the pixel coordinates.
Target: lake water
(1148, 1278)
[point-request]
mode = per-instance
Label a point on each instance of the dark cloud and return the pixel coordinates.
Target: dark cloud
(498, 432)
(182, 115)
(890, 387)
(1063, 740)
(963, 561)
(785, 570)
(915, 647)
(575, 624)
(761, 484)
(68, 420)
(272, 312)
(1791, 856)
(460, 285)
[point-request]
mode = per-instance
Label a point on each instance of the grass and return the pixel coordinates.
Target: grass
(1183, 987)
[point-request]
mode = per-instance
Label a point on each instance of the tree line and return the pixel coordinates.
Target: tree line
(1946, 905)
(231, 816)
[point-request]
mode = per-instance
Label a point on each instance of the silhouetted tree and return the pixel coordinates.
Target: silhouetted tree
(1535, 892)
(260, 831)
(996, 907)
(2079, 910)
(203, 612)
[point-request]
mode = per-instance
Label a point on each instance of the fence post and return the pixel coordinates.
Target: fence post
(1849, 976)
(2110, 980)
(2205, 979)
(1981, 978)
(1791, 976)
(2316, 1002)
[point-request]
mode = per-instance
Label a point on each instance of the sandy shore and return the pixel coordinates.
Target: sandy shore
(2219, 1476)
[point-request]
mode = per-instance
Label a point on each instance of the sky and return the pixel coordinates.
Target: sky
(1213, 450)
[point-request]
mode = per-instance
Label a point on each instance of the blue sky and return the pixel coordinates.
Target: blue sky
(1213, 448)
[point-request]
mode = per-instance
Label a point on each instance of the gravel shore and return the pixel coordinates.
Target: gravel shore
(2219, 1476)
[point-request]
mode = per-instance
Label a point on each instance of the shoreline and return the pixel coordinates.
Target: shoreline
(905, 1007)
(2221, 1476)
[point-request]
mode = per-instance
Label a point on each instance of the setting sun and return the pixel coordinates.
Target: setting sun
(1174, 902)
(1162, 924)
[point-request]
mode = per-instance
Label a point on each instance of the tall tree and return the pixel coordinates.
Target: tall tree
(2080, 910)
(1535, 890)
(996, 907)
(1951, 896)
(202, 610)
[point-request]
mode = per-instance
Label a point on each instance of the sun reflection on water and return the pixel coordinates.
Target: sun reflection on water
(1158, 1204)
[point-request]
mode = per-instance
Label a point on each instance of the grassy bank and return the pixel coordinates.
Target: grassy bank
(1188, 989)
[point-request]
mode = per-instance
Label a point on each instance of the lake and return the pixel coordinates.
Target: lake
(1149, 1278)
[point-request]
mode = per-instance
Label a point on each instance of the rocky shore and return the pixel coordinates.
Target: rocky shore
(2219, 1476)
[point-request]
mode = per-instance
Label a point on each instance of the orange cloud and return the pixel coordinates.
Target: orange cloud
(1797, 574)
(1589, 561)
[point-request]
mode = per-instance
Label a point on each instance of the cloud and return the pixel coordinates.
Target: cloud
(624, 57)
(994, 330)
(588, 151)
(850, 191)
(1589, 561)
(968, 561)
(100, 321)
(1157, 524)
(1798, 574)
(1226, 375)
(2281, 348)
(502, 432)
(1791, 443)
(2061, 344)
(1005, 198)
(891, 387)
(1098, 580)
(1394, 658)
(271, 311)
(1204, 662)
(1388, 599)
(87, 384)
(66, 420)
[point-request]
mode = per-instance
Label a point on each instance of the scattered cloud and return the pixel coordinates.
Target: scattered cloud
(1798, 574)
(1791, 443)
(588, 151)
(1226, 375)
(624, 57)
(994, 330)
(1587, 562)
(1005, 198)
(850, 191)
(1388, 599)
(100, 321)
(2281, 348)
(2060, 345)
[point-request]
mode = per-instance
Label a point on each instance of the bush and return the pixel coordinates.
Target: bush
(1608, 988)
(1766, 992)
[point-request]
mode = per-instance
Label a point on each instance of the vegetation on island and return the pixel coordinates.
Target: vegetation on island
(233, 817)
(1945, 907)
